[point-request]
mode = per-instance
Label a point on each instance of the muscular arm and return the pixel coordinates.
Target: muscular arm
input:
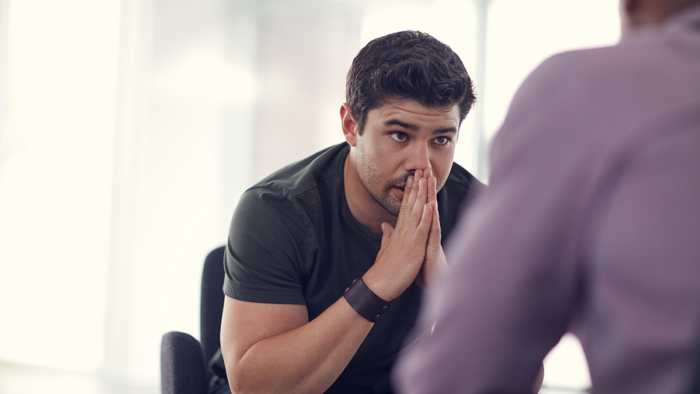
(274, 348)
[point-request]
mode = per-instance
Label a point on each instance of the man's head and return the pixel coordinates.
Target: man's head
(400, 138)
(407, 65)
(407, 94)
(644, 13)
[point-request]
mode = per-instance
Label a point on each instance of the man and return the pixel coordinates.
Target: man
(590, 224)
(367, 215)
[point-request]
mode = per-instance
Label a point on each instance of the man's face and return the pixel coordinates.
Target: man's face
(399, 138)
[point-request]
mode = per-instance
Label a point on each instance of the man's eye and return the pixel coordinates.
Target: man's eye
(442, 140)
(400, 137)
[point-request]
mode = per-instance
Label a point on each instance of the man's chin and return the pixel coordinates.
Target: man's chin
(391, 199)
(394, 211)
(391, 207)
(388, 204)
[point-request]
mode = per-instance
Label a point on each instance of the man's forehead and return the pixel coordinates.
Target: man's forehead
(412, 115)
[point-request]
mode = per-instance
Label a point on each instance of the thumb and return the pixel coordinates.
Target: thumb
(387, 231)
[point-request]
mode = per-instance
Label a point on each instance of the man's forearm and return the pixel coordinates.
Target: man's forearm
(307, 359)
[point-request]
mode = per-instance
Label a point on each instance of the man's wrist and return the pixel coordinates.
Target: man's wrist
(364, 301)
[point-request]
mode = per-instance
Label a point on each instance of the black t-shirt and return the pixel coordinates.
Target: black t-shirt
(293, 240)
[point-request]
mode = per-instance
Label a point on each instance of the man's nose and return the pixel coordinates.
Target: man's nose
(419, 158)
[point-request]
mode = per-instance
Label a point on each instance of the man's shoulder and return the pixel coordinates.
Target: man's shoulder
(288, 201)
(645, 61)
(462, 181)
(459, 190)
(300, 177)
(586, 96)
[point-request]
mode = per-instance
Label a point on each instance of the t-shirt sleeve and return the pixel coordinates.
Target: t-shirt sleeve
(267, 242)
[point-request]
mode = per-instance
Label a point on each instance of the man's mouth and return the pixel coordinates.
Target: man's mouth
(400, 190)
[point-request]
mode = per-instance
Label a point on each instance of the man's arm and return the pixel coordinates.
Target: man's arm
(274, 348)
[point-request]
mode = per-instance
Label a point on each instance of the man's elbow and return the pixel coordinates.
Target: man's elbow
(239, 378)
(235, 379)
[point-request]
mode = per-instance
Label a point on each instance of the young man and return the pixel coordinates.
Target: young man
(368, 215)
(590, 224)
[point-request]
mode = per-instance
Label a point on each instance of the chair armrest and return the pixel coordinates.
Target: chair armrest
(182, 366)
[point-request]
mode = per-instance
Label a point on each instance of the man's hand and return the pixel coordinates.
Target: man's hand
(403, 250)
(435, 262)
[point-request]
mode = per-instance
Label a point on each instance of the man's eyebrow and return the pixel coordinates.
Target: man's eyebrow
(395, 122)
(445, 130)
(412, 127)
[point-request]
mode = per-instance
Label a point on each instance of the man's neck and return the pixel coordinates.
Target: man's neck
(362, 206)
(645, 14)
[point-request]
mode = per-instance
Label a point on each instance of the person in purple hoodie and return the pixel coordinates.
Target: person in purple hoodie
(591, 225)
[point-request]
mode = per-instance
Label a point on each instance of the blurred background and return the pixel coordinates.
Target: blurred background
(129, 129)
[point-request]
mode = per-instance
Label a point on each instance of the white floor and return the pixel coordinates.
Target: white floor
(19, 380)
(561, 390)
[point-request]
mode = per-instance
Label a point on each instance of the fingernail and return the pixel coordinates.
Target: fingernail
(409, 182)
(421, 183)
(416, 175)
(425, 208)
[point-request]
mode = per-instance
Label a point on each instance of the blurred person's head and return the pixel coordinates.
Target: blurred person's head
(407, 65)
(637, 14)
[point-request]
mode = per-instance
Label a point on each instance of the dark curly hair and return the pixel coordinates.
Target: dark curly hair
(407, 65)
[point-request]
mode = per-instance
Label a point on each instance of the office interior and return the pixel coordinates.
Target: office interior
(129, 129)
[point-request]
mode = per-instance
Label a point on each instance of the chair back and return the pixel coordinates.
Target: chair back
(212, 303)
(695, 376)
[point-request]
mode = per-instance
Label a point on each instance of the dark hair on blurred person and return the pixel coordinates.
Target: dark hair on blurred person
(407, 65)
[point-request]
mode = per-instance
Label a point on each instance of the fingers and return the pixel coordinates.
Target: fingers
(417, 199)
(420, 215)
(434, 262)
(409, 198)
(415, 189)
(421, 188)
(432, 184)
(424, 225)
(435, 232)
(404, 203)
(404, 247)
(421, 196)
(432, 189)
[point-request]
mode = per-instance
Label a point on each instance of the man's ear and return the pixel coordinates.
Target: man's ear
(627, 10)
(349, 124)
(630, 7)
(640, 13)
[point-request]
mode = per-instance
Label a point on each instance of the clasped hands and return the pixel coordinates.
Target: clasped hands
(412, 251)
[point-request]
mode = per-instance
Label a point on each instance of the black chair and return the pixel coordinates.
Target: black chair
(695, 377)
(183, 359)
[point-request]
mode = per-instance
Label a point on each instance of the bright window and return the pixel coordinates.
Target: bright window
(55, 181)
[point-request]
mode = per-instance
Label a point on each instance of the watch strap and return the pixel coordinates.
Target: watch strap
(363, 300)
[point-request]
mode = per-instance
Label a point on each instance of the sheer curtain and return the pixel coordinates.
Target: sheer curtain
(57, 120)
